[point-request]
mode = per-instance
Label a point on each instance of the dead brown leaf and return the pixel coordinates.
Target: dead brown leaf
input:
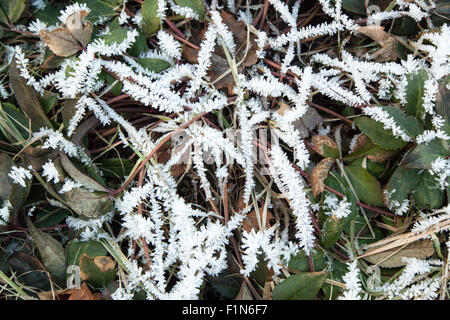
(251, 221)
(380, 157)
(61, 42)
(319, 174)
(392, 258)
(65, 41)
(320, 140)
(219, 63)
(82, 293)
(81, 32)
(388, 43)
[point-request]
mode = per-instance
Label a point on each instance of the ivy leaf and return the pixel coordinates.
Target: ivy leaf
(153, 64)
(424, 154)
(428, 193)
(376, 132)
(414, 93)
(52, 252)
(150, 19)
(196, 5)
(12, 10)
(302, 286)
(366, 186)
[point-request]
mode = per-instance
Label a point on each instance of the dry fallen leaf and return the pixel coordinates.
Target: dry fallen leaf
(392, 258)
(65, 41)
(79, 31)
(61, 42)
(251, 221)
(319, 174)
(381, 157)
(320, 140)
(219, 63)
(388, 43)
(82, 293)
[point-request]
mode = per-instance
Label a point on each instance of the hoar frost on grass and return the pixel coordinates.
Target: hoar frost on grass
(190, 237)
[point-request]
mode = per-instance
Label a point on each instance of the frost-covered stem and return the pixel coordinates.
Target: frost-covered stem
(115, 193)
(144, 242)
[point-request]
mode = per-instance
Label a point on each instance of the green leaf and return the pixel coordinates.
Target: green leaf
(116, 167)
(116, 36)
(139, 45)
(117, 88)
(369, 148)
(409, 124)
(13, 9)
(355, 6)
(414, 93)
(76, 249)
(44, 219)
(443, 107)
(78, 176)
(5, 167)
(428, 193)
(329, 152)
(51, 251)
(363, 233)
(422, 156)
(13, 123)
(100, 9)
(300, 261)
(99, 271)
(29, 270)
(403, 181)
(333, 226)
(376, 132)
(196, 5)
(153, 64)
(366, 186)
(27, 99)
(50, 15)
(375, 168)
(86, 203)
(301, 286)
(150, 19)
(48, 102)
(339, 270)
